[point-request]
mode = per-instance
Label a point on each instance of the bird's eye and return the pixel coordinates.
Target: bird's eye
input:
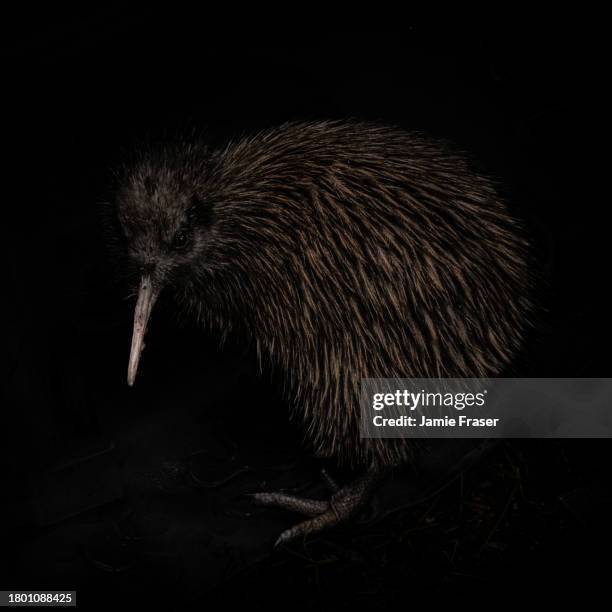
(180, 240)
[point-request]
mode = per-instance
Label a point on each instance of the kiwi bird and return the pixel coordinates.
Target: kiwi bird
(341, 250)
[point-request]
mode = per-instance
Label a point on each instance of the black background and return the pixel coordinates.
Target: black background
(80, 90)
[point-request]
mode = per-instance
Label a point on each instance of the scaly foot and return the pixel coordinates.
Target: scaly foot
(344, 503)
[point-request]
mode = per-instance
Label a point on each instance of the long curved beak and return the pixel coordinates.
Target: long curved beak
(147, 296)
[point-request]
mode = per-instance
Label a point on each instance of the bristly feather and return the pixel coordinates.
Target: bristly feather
(342, 250)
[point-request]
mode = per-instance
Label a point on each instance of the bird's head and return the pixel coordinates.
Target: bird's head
(167, 223)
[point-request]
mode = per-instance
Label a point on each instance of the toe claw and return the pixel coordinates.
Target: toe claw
(283, 538)
(259, 498)
(293, 533)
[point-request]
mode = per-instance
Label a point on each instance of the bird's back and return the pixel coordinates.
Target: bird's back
(368, 251)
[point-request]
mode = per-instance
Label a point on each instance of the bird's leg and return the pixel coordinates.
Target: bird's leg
(344, 503)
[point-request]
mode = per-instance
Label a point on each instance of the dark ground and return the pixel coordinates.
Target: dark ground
(138, 492)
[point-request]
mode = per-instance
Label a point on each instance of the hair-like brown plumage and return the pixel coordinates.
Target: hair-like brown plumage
(342, 250)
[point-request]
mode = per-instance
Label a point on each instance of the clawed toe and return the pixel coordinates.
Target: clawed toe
(315, 525)
(329, 481)
(307, 507)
